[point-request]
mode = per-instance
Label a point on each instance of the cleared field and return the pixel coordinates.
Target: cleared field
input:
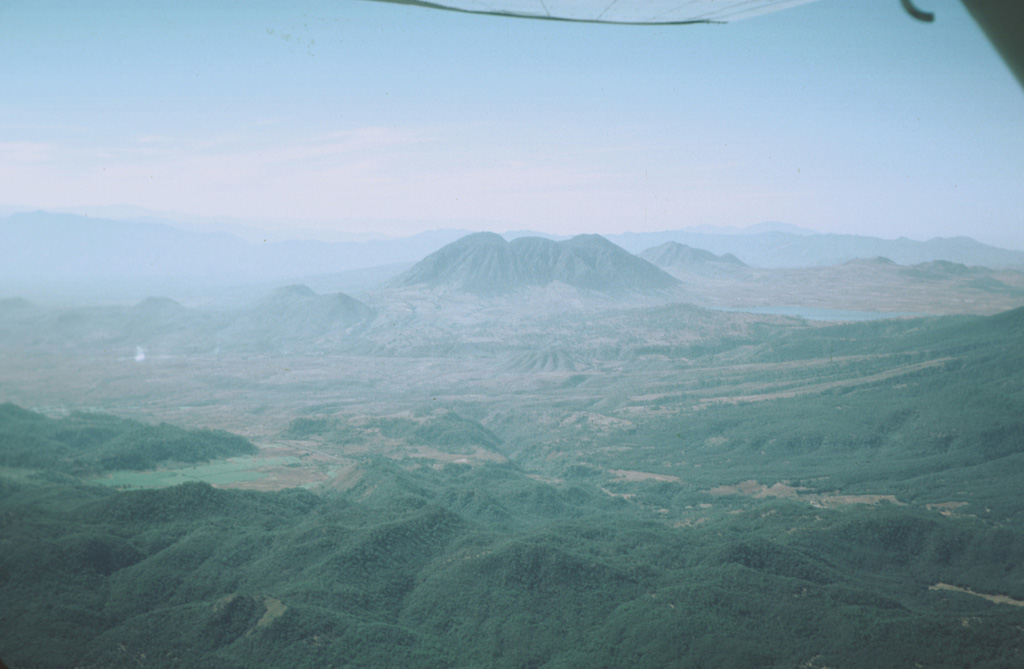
(222, 473)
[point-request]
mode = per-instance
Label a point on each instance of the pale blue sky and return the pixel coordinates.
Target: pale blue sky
(838, 116)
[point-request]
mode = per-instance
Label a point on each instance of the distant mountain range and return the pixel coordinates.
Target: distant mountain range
(41, 248)
(289, 318)
(672, 255)
(863, 284)
(484, 263)
(787, 249)
(41, 245)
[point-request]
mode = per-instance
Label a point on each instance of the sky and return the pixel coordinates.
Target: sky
(367, 117)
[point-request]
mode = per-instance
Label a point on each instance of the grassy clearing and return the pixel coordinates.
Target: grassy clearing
(220, 472)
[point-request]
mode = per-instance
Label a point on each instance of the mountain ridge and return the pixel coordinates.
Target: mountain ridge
(776, 249)
(674, 254)
(51, 256)
(484, 263)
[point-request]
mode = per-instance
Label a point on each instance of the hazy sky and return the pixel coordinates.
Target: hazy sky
(839, 116)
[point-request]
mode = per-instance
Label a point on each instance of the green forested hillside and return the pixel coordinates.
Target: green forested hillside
(484, 566)
(753, 494)
(90, 443)
(448, 430)
(190, 576)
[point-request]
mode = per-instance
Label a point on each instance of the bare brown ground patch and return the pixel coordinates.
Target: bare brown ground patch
(822, 387)
(826, 501)
(690, 522)
(275, 609)
(315, 467)
(995, 599)
(946, 508)
(629, 475)
(623, 495)
(430, 453)
(278, 478)
(757, 490)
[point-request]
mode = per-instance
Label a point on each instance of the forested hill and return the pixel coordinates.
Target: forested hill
(88, 443)
(400, 563)
(658, 486)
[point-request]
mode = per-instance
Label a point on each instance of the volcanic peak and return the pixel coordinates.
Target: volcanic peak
(485, 264)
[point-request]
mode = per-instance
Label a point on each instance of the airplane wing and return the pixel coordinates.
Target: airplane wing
(1003, 24)
(1001, 20)
(650, 12)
